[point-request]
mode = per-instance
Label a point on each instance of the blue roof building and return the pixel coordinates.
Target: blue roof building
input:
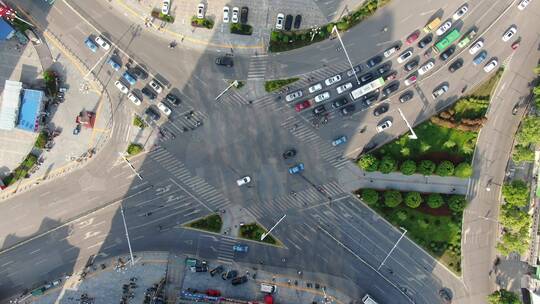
(6, 31)
(29, 111)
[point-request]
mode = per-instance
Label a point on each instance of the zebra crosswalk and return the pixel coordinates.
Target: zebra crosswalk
(306, 134)
(232, 96)
(225, 250)
(211, 198)
(257, 67)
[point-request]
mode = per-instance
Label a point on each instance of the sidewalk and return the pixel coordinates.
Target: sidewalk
(352, 178)
(233, 218)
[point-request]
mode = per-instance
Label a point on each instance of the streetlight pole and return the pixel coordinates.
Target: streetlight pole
(130, 165)
(127, 234)
(413, 135)
(334, 29)
(234, 83)
(395, 245)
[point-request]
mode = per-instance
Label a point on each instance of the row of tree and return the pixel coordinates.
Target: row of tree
(393, 198)
(387, 164)
(529, 132)
(514, 218)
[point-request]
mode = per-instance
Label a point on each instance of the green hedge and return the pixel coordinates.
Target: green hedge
(241, 29)
(204, 22)
(139, 122)
(210, 223)
(21, 171)
(273, 85)
(161, 16)
(41, 140)
(134, 149)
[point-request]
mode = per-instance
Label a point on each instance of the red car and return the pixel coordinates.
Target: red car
(412, 37)
(302, 105)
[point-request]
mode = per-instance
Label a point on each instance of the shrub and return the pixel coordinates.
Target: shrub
(516, 193)
(413, 199)
(392, 198)
(435, 200)
(207, 23)
(368, 162)
(370, 196)
(164, 17)
(402, 215)
(241, 29)
(408, 167)
(426, 167)
(387, 165)
(463, 170)
(457, 203)
(522, 153)
(41, 140)
(134, 149)
(139, 122)
(445, 168)
(423, 223)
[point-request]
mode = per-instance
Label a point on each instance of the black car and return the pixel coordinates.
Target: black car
(389, 89)
(366, 77)
(225, 61)
(229, 275)
(369, 98)
(297, 21)
(289, 154)
(383, 69)
(173, 99)
(152, 113)
(381, 109)
(244, 15)
(406, 96)
(348, 110)
(149, 93)
(515, 109)
(288, 22)
(139, 72)
(339, 103)
(357, 69)
(425, 41)
(239, 280)
(216, 270)
(319, 110)
(456, 65)
(374, 61)
(446, 54)
(409, 66)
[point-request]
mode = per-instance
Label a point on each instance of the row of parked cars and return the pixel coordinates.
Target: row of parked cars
(286, 22)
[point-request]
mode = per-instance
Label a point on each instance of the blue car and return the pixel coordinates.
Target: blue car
(127, 76)
(296, 168)
(115, 65)
(340, 140)
(91, 45)
(240, 248)
(480, 57)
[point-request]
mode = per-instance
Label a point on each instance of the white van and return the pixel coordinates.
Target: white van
(268, 288)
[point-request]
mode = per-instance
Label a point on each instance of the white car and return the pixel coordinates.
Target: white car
(200, 11)
(293, 96)
(244, 180)
(384, 125)
(134, 99)
(460, 12)
(156, 86)
(391, 51)
(234, 17)
(344, 88)
(279, 21)
(163, 108)
(102, 43)
(426, 67)
(443, 28)
(165, 7)
(314, 88)
(476, 47)
(226, 14)
(491, 65)
(121, 87)
(406, 55)
(441, 90)
(330, 81)
(322, 97)
(509, 33)
(523, 4)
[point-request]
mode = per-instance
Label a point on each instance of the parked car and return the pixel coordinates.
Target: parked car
(235, 11)
(163, 108)
(156, 86)
(165, 7)
(523, 4)
(296, 168)
(339, 103)
(447, 53)
(348, 110)
(510, 32)
(201, 11)
(139, 72)
(515, 45)
(330, 81)
(413, 63)
(374, 61)
(357, 69)
(102, 43)
(225, 61)
(173, 99)
(322, 97)
(318, 110)
(136, 100)
(425, 41)
(367, 77)
(412, 37)
(444, 28)
(229, 274)
(384, 125)
(404, 56)
(91, 45)
(129, 78)
(293, 96)
(480, 57)
(339, 141)
(344, 88)
(288, 22)
(456, 65)
(314, 88)
(378, 111)
(244, 15)
(152, 113)
(149, 93)
(240, 182)
(389, 89)
(226, 14)
(476, 47)
(289, 154)
(460, 12)
(440, 90)
(297, 21)
(115, 65)
(302, 105)
(217, 270)
(411, 79)
(240, 248)
(120, 86)
(239, 280)
(426, 67)
(492, 64)
(384, 68)
(391, 51)
(279, 21)
(406, 96)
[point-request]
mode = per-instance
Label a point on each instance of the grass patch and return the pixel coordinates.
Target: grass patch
(156, 13)
(254, 232)
(273, 85)
(21, 171)
(204, 22)
(51, 83)
(240, 84)
(134, 149)
(241, 29)
(210, 223)
(434, 142)
(41, 140)
(485, 88)
(139, 122)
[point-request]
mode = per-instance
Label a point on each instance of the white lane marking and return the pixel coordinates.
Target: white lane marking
(35, 251)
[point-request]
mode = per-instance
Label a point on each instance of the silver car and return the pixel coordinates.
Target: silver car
(293, 96)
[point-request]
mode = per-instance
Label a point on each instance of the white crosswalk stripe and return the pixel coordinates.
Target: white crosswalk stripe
(257, 67)
(225, 250)
(232, 96)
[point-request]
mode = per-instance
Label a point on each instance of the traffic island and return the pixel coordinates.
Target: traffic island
(211, 223)
(254, 232)
(432, 220)
(134, 149)
(274, 85)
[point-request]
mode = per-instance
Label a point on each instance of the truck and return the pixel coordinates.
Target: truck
(432, 25)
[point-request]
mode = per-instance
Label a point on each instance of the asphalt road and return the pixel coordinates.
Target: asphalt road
(237, 139)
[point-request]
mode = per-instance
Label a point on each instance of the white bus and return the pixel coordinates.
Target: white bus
(370, 87)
